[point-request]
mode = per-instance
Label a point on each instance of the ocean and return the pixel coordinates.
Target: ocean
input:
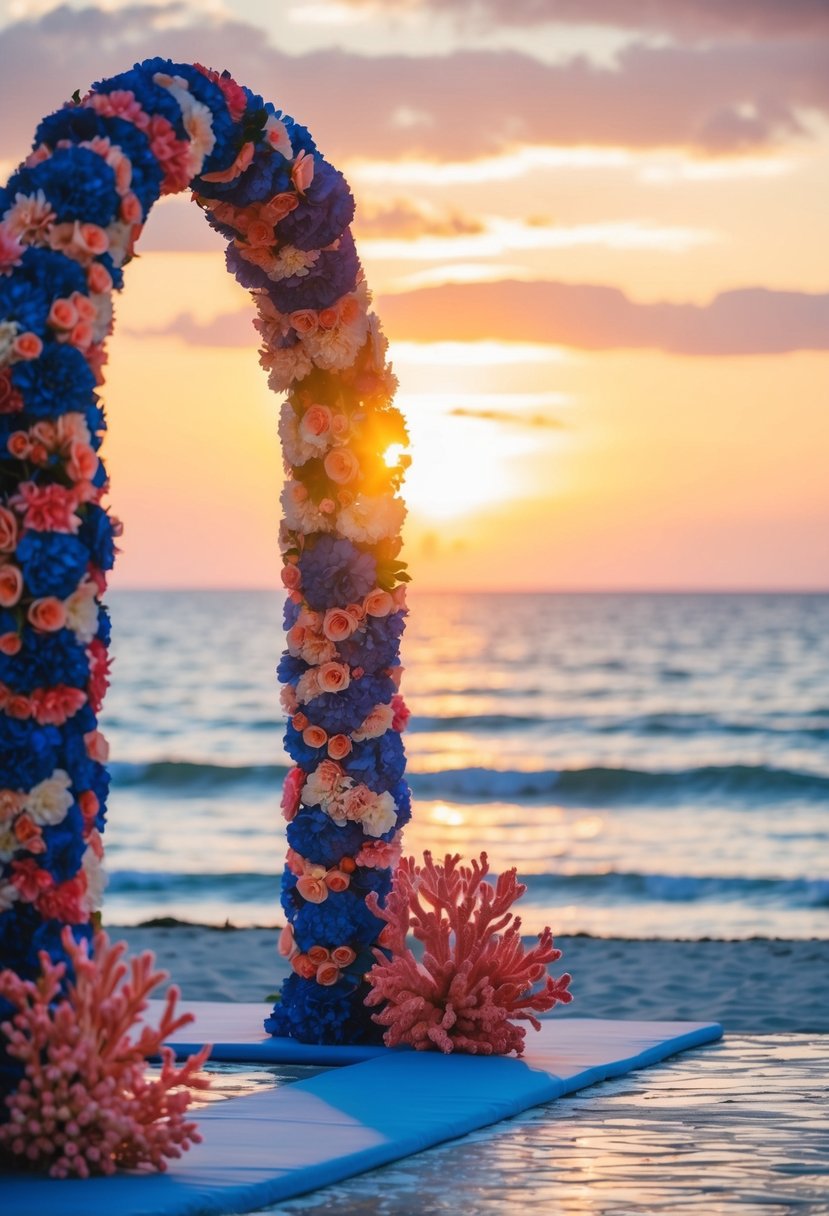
(655, 765)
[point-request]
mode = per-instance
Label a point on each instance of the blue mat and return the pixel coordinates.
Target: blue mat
(279, 1143)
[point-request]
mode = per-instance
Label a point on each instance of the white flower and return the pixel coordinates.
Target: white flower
(285, 365)
(96, 879)
(291, 261)
(372, 518)
(379, 816)
(8, 894)
(48, 802)
(376, 724)
(276, 133)
(8, 333)
(296, 448)
(301, 512)
(197, 119)
(338, 347)
(82, 612)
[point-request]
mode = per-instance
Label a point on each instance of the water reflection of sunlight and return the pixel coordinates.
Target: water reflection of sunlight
(450, 816)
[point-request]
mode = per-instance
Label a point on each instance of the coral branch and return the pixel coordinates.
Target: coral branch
(85, 1105)
(475, 975)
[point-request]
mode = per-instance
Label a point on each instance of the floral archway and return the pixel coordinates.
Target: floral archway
(71, 215)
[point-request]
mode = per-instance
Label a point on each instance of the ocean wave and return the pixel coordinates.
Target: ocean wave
(606, 888)
(592, 786)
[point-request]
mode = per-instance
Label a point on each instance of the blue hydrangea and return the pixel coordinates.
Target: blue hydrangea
(323, 214)
(333, 275)
(336, 573)
(316, 837)
(343, 712)
(312, 1013)
(80, 123)
(43, 276)
(52, 562)
(96, 533)
(65, 846)
(299, 751)
(58, 381)
(376, 647)
(28, 752)
(378, 763)
(341, 920)
(44, 660)
(78, 183)
(289, 668)
(150, 96)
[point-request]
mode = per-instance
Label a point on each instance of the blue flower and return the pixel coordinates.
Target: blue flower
(376, 647)
(80, 123)
(378, 763)
(28, 752)
(341, 920)
(149, 95)
(316, 837)
(323, 214)
(342, 712)
(289, 668)
(78, 183)
(53, 562)
(65, 846)
(312, 1013)
(299, 751)
(96, 533)
(44, 660)
(336, 573)
(58, 381)
(333, 275)
(43, 276)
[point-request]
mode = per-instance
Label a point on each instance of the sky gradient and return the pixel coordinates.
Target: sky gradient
(596, 232)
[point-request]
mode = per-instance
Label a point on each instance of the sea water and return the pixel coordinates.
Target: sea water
(654, 765)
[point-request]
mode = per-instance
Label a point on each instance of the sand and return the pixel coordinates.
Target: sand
(758, 986)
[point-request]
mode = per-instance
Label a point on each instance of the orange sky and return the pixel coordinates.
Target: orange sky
(601, 255)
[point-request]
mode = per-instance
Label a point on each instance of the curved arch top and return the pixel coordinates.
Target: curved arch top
(71, 215)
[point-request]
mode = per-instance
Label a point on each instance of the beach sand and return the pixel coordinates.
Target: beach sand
(757, 986)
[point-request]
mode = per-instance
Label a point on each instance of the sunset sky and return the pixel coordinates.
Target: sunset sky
(597, 232)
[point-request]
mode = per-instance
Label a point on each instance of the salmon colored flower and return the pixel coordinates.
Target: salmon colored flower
(339, 747)
(314, 736)
(333, 677)
(327, 974)
(341, 466)
(343, 956)
(47, 614)
(11, 585)
(337, 881)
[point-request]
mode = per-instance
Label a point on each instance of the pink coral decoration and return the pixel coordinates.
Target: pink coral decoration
(475, 975)
(85, 1104)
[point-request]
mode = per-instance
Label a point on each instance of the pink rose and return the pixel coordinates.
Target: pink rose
(10, 643)
(299, 720)
(81, 335)
(82, 464)
(327, 974)
(318, 954)
(242, 162)
(312, 889)
(338, 624)
(316, 421)
(341, 465)
(302, 171)
(339, 426)
(19, 707)
(329, 318)
(279, 206)
(337, 881)
(260, 233)
(328, 775)
(378, 603)
(292, 792)
(343, 956)
(339, 746)
(47, 614)
(86, 309)
(11, 586)
(314, 736)
(98, 278)
(333, 677)
(379, 854)
(95, 238)
(8, 530)
(349, 310)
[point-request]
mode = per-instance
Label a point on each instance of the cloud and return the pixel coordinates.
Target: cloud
(687, 19)
(748, 321)
(534, 421)
(720, 98)
(405, 221)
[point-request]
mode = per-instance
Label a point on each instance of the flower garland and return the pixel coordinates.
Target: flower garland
(70, 217)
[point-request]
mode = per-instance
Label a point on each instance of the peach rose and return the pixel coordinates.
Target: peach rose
(327, 506)
(11, 804)
(19, 707)
(333, 677)
(312, 889)
(345, 498)
(10, 643)
(378, 603)
(303, 966)
(338, 624)
(291, 577)
(348, 865)
(349, 310)
(8, 530)
(343, 956)
(318, 954)
(302, 171)
(295, 637)
(299, 721)
(11, 585)
(295, 863)
(341, 466)
(337, 881)
(98, 278)
(339, 426)
(19, 445)
(260, 233)
(314, 736)
(97, 747)
(304, 321)
(81, 335)
(86, 309)
(315, 422)
(328, 974)
(329, 318)
(82, 464)
(95, 238)
(47, 614)
(328, 776)
(287, 946)
(62, 315)
(339, 746)
(27, 346)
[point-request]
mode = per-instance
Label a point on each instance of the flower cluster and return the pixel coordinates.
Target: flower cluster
(475, 975)
(85, 1105)
(69, 219)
